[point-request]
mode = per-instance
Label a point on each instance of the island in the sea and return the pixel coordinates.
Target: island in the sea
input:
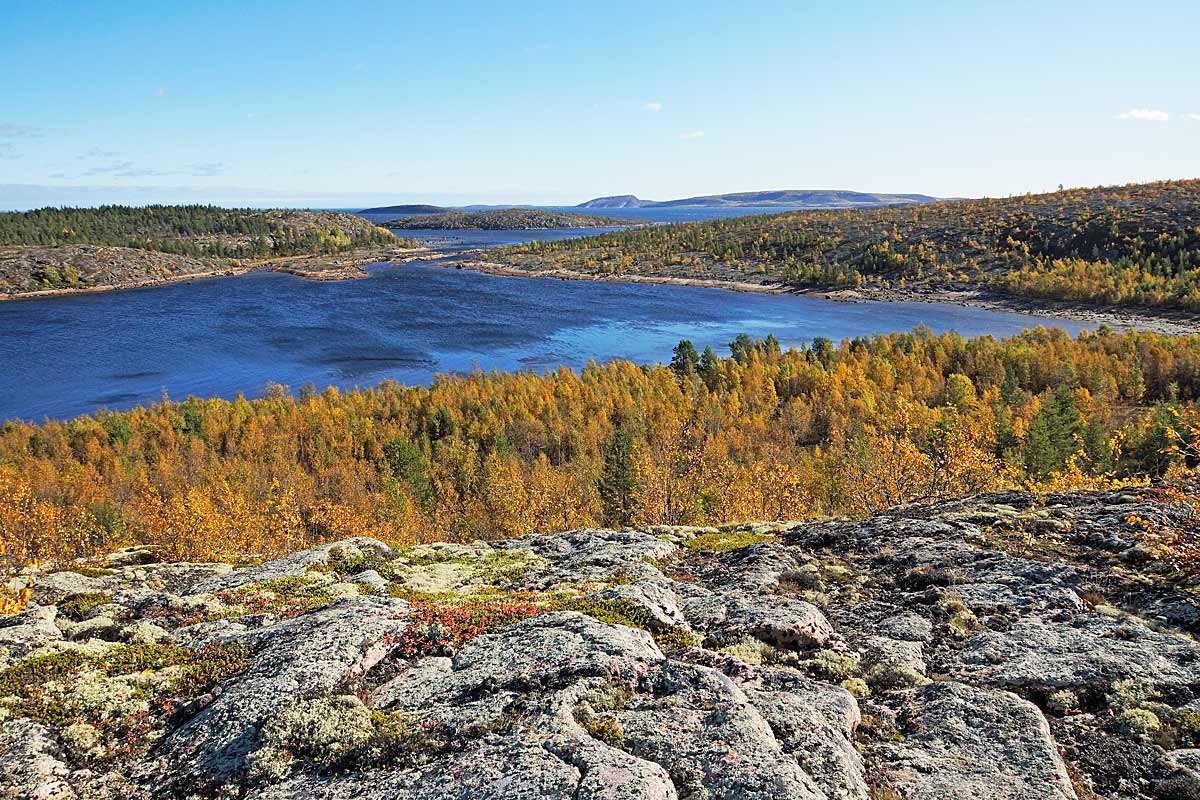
(411, 208)
(505, 219)
(54, 250)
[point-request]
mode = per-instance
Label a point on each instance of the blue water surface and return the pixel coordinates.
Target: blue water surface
(64, 356)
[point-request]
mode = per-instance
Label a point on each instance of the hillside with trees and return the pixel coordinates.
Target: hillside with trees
(505, 219)
(115, 246)
(829, 429)
(1136, 245)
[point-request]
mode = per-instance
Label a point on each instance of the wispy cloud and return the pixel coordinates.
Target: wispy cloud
(1194, 117)
(1145, 115)
(96, 152)
(205, 169)
(10, 130)
(692, 135)
(124, 169)
(129, 169)
(653, 105)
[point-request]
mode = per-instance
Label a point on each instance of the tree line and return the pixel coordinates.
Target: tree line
(194, 230)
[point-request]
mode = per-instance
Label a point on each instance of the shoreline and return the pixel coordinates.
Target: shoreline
(1164, 322)
(506, 270)
(348, 266)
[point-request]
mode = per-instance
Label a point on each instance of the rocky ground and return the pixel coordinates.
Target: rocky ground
(1006, 646)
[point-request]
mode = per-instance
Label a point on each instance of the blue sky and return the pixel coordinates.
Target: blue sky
(316, 103)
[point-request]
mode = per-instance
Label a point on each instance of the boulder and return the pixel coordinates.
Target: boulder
(960, 741)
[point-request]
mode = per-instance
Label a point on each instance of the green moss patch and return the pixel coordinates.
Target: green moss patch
(111, 688)
(78, 606)
(726, 541)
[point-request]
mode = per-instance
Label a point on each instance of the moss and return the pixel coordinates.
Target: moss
(614, 612)
(890, 677)
(1062, 702)
(606, 729)
(1138, 721)
(403, 739)
(77, 606)
(964, 622)
(90, 572)
(72, 686)
(654, 562)
(676, 637)
(1130, 693)
(348, 564)
(1188, 722)
(726, 541)
(857, 687)
(289, 588)
(833, 665)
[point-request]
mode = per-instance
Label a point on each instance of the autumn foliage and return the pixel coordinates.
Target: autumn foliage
(767, 434)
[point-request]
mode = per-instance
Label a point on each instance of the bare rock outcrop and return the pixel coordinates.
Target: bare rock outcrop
(1008, 646)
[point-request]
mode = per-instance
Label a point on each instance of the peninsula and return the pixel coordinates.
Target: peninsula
(56, 250)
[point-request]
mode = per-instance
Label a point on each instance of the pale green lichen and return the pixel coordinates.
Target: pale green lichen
(749, 651)
(323, 730)
(1138, 721)
(82, 740)
(434, 569)
(1132, 693)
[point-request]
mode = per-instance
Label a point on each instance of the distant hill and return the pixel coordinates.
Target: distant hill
(617, 201)
(505, 219)
(813, 198)
(409, 209)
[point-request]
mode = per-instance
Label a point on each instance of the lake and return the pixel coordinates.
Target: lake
(64, 356)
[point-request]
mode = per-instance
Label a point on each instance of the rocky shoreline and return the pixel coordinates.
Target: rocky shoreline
(1008, 646)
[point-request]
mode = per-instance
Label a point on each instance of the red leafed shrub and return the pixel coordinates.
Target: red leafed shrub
(439, 628)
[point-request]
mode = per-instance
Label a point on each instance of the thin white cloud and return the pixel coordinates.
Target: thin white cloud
(129, 169)
(1194, 117)
(206, 169)
(1145, 115)
(96, 152)
(692, 135)
(9, 130)
(653, 105)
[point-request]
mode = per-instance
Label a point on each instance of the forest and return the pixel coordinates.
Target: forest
(845, 428)
(1132, 245)
(193, 230)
